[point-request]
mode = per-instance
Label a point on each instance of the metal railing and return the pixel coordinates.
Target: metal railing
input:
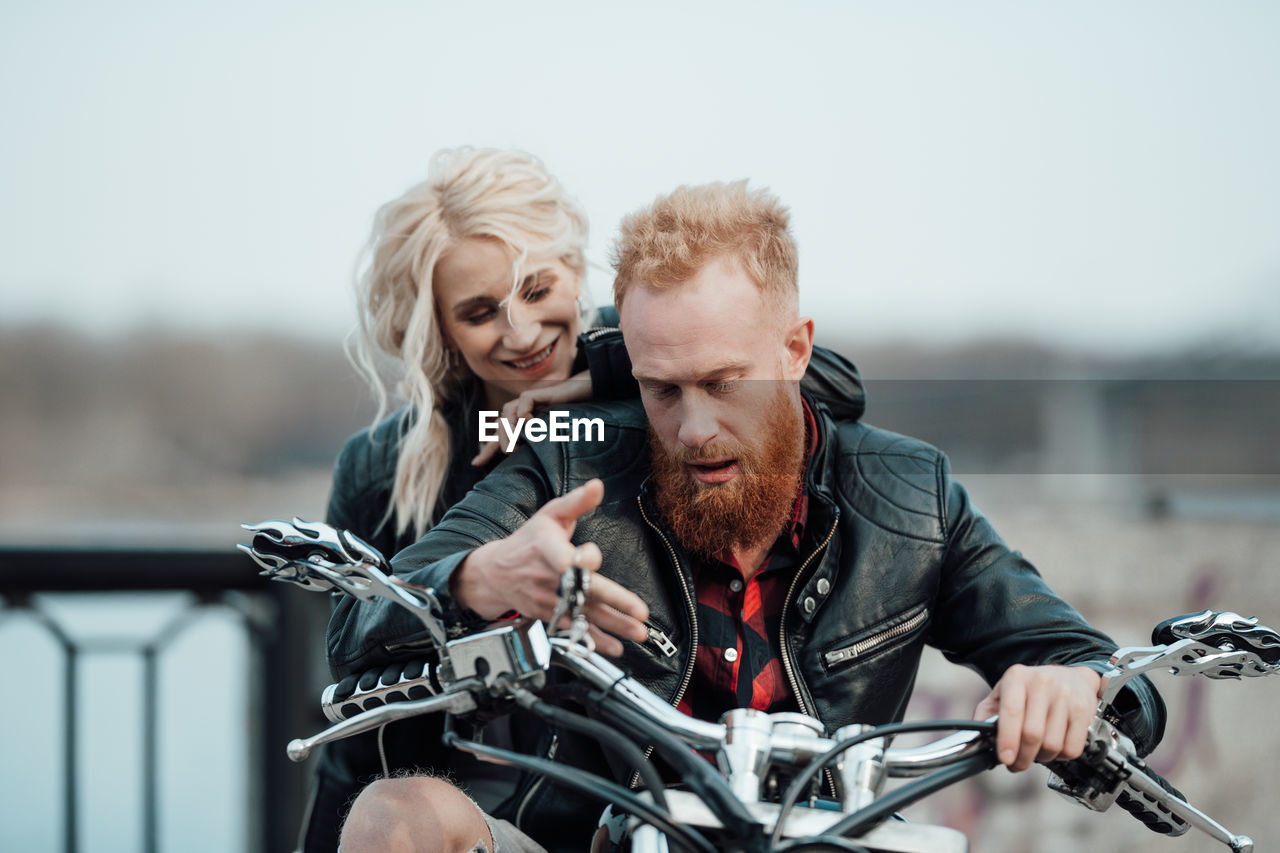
(285, 634)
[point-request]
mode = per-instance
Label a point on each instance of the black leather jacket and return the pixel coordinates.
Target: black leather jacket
(894, 556)
(362, 484)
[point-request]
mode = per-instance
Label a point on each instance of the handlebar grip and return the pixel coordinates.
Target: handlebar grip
(374, 688)
(1153, 815)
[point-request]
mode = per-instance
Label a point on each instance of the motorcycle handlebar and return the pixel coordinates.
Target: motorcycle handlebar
(1109, 772)
(498, 664)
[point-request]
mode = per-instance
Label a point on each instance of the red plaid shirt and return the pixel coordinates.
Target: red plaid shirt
(738, 663)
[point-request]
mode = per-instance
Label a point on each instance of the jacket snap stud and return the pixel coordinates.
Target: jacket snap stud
(809, 604)
(824, 586)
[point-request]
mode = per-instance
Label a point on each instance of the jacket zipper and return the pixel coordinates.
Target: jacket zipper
(867, 644)
(787, 665)
(425, 643)
(693, 627)
(599, 332)
(551, 754)
(659, 639)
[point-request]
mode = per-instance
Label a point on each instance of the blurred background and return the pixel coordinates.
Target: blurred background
(1048, 234)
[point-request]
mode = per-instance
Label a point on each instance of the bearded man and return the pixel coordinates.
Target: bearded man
(749, 551)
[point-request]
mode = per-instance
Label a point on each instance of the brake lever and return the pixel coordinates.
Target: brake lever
(457, 702)
(1110, 772)
(485, 670)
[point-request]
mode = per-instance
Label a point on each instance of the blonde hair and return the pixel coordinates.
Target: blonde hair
(667, 243)
(506, 195)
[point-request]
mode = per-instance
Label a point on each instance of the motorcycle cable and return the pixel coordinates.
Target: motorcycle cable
(598, 731)
(595, 787)
(820, 844)
(865, 818)
(802, 780)
(700, 775)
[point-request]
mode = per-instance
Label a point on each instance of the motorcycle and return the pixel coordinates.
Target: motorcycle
(764, 793)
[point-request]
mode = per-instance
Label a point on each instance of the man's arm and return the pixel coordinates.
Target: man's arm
(998, 615)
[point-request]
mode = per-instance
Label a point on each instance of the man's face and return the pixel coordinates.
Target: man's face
(718, 372)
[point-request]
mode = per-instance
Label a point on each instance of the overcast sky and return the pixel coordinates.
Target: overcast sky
(1098, 175)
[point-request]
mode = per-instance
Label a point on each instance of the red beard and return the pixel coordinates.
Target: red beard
(750, 510)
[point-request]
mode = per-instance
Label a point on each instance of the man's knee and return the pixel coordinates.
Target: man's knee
(414, 815)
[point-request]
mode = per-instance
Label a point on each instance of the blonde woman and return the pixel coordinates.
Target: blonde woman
(471, 295)
(471, 299)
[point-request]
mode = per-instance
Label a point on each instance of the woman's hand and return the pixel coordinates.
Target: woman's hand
(573, 389)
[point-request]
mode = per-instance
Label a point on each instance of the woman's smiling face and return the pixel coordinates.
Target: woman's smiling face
(509, 341)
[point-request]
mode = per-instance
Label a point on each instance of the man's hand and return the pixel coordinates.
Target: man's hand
(573, 389)
(522, 572)
(1045, 712)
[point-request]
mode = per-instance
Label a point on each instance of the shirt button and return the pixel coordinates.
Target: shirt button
(731, 655)
(736, 585)
(824, 586)
(809, 604)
